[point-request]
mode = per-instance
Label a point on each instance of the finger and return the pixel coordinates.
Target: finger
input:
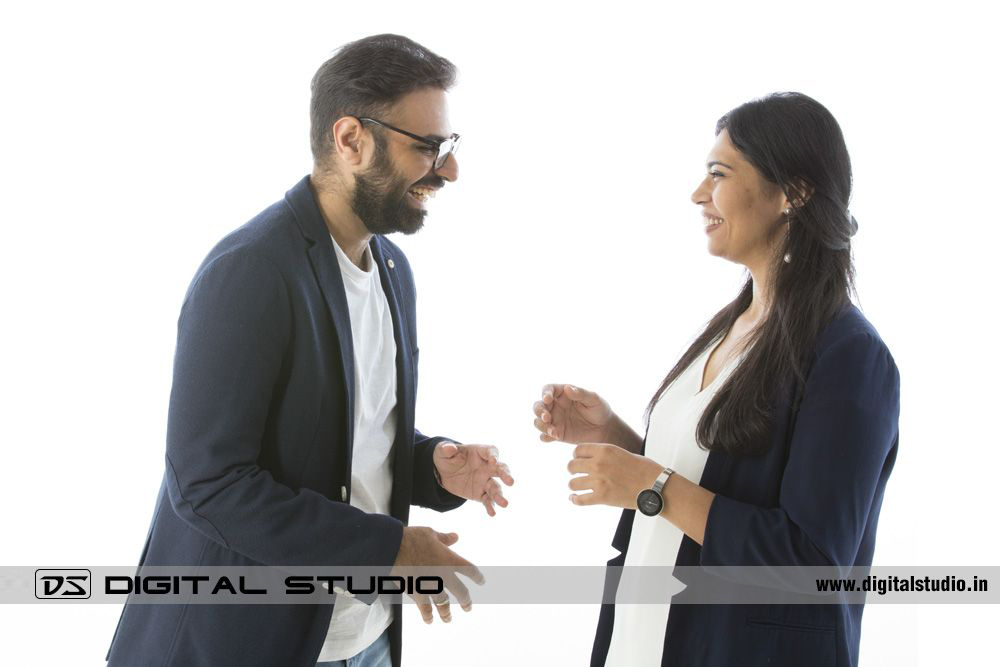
(583, 498)
(577, 466)
(447, 539)
(466, 568)
(546, 429)
(495, 493)
(425, 607)
(554, 394)
(488, 504)
(487, 453)
(459, 590)
(539, 408)
(586, 450)
(503, 472)
(443, 605)
(583, 483)
(546, 438)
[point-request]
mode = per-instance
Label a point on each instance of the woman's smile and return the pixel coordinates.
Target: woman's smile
(711, 222)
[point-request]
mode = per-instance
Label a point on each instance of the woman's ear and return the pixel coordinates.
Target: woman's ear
(798, 194)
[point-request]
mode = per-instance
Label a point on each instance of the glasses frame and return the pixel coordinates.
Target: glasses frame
(444, 147)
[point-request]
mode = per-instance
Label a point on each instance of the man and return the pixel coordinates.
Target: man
(290, 438)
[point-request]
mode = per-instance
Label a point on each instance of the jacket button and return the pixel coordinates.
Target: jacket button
(343, 493)
(391, 264)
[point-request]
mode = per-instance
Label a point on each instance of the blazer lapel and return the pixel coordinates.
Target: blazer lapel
(405, 390)
(324, 263)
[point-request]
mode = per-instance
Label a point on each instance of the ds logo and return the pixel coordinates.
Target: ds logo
(62, 584)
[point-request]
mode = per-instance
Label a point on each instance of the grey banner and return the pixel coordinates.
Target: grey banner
(499, 585)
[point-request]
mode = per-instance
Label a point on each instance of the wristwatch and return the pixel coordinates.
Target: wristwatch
(650, 501)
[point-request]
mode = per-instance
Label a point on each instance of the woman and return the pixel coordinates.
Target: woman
(771, 440)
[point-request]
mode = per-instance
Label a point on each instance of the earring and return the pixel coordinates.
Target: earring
(788, 213)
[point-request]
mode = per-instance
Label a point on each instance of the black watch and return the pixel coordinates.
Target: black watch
(650, 501)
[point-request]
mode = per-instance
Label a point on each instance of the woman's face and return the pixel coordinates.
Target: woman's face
(742, 210)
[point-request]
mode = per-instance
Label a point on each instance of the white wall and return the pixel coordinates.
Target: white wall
(134, 136)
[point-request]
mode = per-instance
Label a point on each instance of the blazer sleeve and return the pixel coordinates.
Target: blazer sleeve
(841, 449)
(233, 331)
(426, 490)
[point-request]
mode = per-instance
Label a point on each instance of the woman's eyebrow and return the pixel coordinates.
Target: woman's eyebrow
(721, 164)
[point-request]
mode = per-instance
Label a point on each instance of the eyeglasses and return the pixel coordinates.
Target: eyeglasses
(444, 147)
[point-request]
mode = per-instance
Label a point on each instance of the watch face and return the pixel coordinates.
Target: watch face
(649, 502)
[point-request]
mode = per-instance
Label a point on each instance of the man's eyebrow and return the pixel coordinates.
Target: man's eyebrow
(721, 164)
(435, 137)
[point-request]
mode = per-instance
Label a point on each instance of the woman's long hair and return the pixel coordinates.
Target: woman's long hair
(794, 142)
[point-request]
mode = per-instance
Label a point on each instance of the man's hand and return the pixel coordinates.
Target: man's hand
(471, 472)
(422, 548)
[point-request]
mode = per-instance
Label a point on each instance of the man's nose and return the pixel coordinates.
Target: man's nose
(449, 170)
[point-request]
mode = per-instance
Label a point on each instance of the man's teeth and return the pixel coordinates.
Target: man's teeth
(423, 194)
(710, 221)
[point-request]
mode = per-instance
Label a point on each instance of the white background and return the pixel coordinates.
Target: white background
(134, 136)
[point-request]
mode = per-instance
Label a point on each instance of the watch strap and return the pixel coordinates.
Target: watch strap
(661, 481)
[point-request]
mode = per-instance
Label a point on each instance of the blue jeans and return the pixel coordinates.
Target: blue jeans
(376, 655)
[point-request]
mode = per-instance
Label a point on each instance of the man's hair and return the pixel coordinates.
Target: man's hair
(365, 78)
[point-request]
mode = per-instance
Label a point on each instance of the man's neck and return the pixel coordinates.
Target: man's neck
(346, 228)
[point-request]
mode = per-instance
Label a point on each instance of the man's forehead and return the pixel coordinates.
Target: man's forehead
(424, 112)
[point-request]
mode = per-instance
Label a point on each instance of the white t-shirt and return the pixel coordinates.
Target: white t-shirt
(637, 638)
(355, 625)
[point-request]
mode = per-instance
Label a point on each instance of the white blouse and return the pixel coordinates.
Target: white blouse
(637, 638)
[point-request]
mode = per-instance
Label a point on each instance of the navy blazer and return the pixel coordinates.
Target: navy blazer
(812, 499)
(259, 442)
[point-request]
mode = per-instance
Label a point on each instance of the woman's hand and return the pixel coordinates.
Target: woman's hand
(575, 415)
(571, 414)
(614, 476)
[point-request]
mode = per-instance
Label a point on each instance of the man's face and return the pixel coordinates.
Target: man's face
(391, 194)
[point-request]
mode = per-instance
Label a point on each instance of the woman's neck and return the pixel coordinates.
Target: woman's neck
(761, 298)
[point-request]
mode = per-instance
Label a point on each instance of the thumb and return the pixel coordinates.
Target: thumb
(447, 539)
(580, 395)
(447, 449)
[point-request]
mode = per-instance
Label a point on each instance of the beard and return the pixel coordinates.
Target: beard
(379, 199)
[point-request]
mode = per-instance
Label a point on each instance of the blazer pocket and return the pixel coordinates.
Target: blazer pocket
(802, 627)
(790, 644)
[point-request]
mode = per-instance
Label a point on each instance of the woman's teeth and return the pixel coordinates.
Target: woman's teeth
(712, 221)
(422, 194)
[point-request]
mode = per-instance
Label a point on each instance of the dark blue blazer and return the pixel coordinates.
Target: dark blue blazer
(812, 499)
(259, 442)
